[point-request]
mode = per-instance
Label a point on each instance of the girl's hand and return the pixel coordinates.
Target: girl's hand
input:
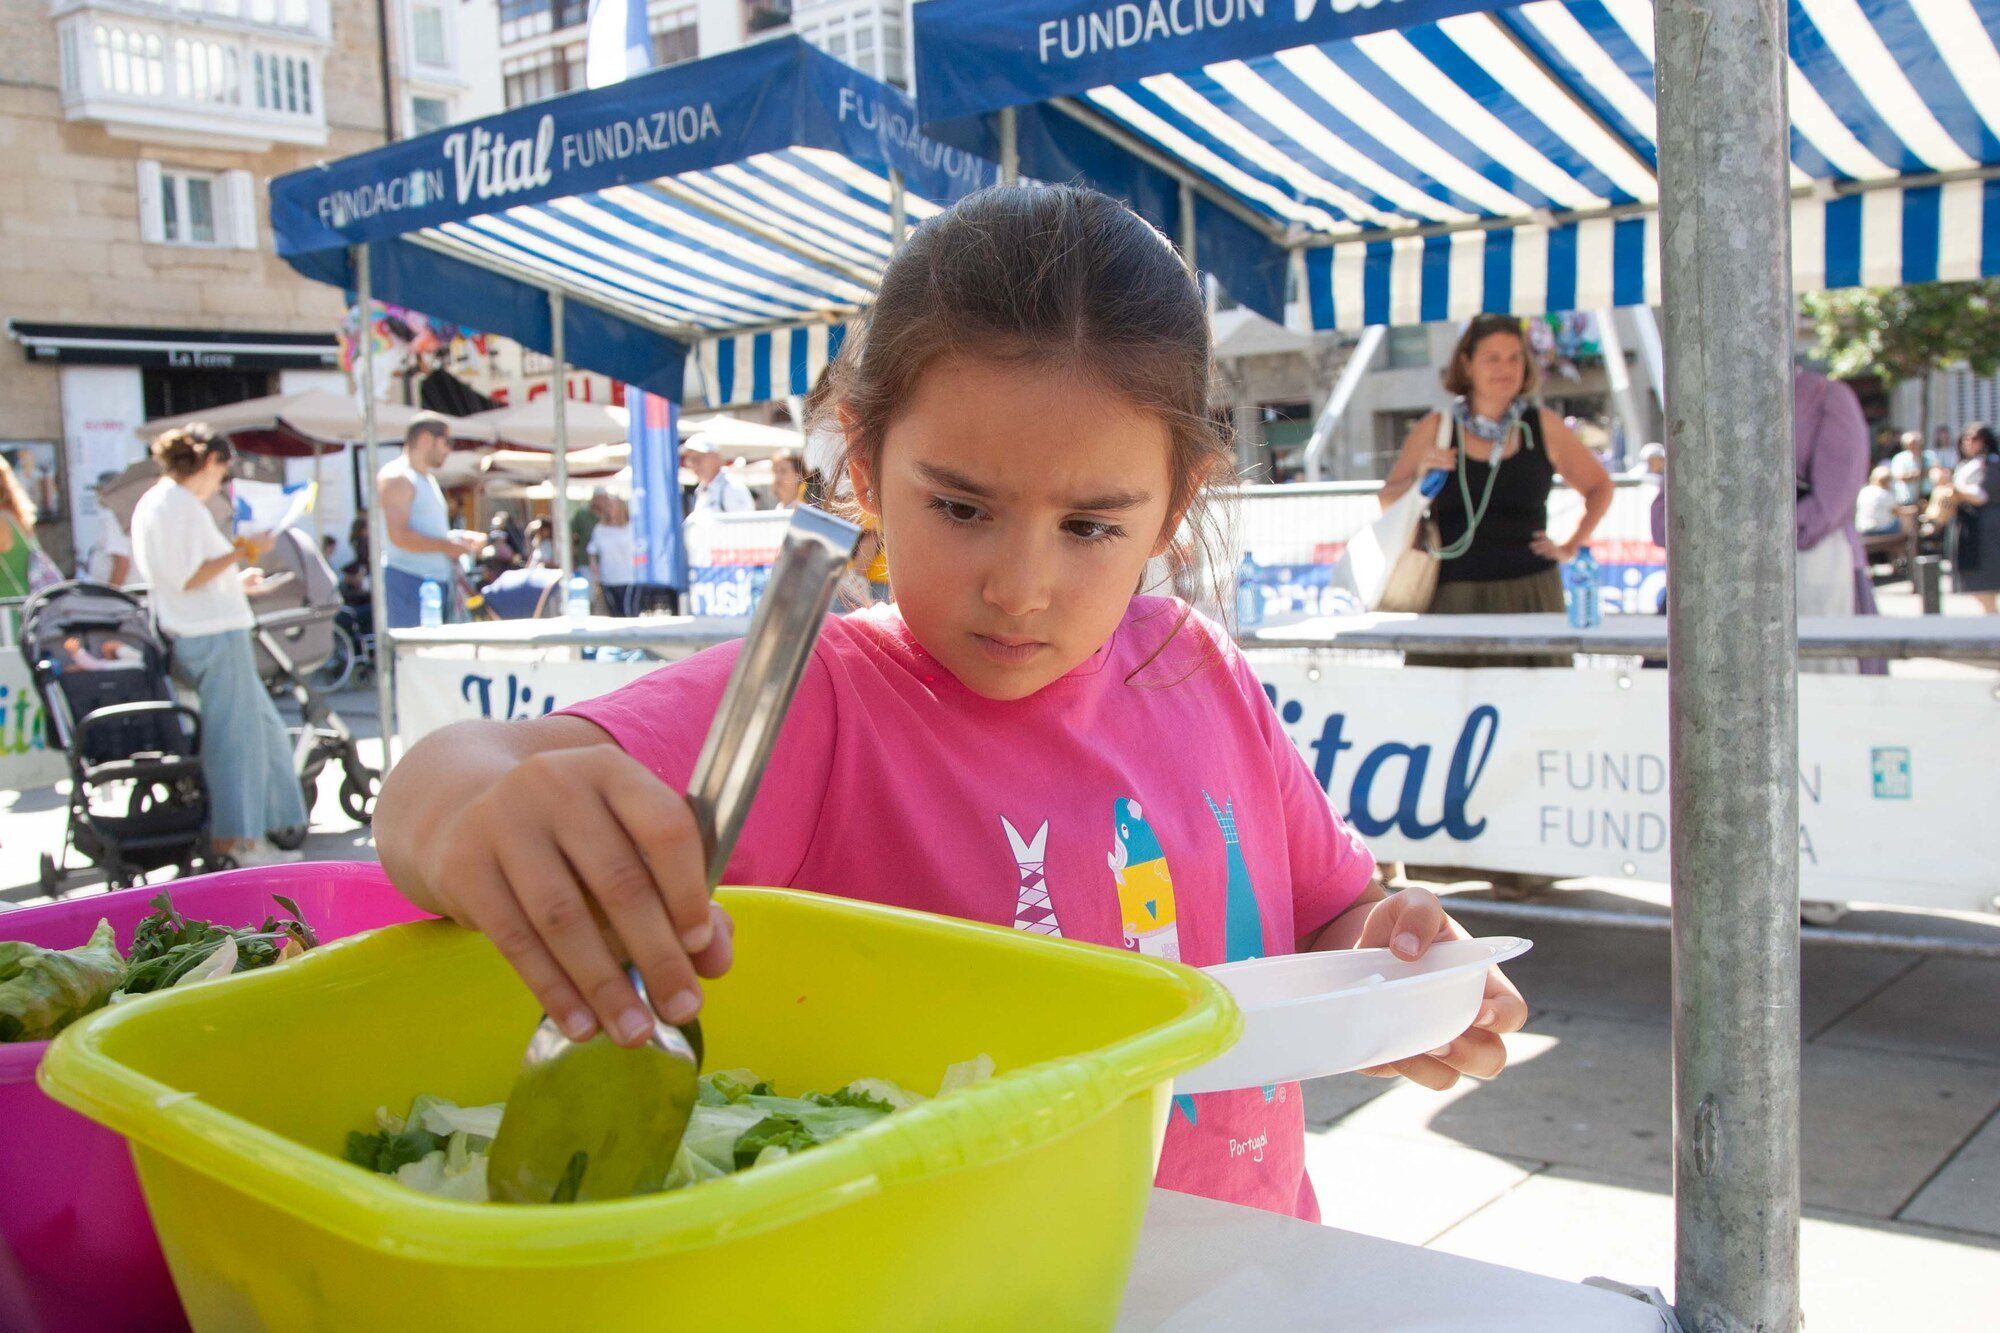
(1407, 924)
(572, 862)
(1560, 552)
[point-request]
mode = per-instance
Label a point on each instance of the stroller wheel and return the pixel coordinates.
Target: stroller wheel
(358, 799)
(288, 839)
(52, 877)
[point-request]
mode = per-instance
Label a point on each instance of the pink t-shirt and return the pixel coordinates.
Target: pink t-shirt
(1168, 814)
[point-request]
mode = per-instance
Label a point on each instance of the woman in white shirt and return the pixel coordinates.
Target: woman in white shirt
(199, 599)
(610, 552)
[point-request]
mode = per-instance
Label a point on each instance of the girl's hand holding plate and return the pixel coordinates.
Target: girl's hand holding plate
(1407, 923)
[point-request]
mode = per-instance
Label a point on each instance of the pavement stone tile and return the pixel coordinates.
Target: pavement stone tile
(1626, 974)
(1856, 1274)
(1596, 1094)
(1331, 1100)
(1966, 1193)
(1407, 1188)
(1944, 1006)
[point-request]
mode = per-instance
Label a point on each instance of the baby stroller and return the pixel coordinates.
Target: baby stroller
(137, 798)
(296, 635)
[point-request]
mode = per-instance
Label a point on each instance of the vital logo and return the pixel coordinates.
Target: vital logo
(1890, 765)
(1403, 769)
(487, 164)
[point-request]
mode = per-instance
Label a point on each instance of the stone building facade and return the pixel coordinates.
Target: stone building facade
(137, 273)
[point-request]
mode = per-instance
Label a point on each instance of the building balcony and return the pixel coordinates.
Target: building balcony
(242, 74)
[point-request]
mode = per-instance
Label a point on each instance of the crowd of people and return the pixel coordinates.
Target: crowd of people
(1940, 499)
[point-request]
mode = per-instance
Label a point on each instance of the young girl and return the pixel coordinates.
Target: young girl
(1018, 739)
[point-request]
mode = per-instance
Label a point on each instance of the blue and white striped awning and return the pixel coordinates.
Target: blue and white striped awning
(750, 192)
(1485, 157)
(741, 368)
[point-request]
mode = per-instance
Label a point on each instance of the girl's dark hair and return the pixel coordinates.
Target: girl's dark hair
(186, 450)
(1983, 433)
(1042, 276)
(1458, 371)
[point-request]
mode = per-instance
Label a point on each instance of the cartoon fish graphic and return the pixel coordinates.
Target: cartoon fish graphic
(1033, 911)
(1243, 922)
(1145, 885)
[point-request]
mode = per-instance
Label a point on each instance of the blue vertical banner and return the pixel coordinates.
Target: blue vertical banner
(659, 556)
(615, 42)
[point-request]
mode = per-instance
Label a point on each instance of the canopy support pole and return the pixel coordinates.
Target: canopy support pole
(1618, 377)
(1733, 661)
(1010, 147)
(319, 520)
(378, 527)
(559, 409)
(1649, 347)
(1188, 252)
(1357, 365)
(899, 212)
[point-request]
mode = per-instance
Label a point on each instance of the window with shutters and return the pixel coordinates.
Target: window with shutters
(189, 203)
(430, 40)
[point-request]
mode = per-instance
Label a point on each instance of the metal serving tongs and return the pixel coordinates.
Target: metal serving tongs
(596, 1120)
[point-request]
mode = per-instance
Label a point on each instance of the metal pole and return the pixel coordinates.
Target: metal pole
(899, 211)
(1357, 365)
(1649, 347)
(1010, 147)
(1618, 377)
(1188, 254)
(319, 499)
(378, 528)
(559, 406)
(1733, 655)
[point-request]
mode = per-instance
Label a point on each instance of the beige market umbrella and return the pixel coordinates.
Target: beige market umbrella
(733, 437)
(532, 425)
(299, 425)
(120, 495)
(531, 466)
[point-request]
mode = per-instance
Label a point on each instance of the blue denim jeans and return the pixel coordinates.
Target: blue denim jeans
(246, 753)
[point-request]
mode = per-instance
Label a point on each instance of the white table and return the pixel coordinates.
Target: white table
(1208, 1267)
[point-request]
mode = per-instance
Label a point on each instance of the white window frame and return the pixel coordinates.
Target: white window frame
(449, 34)
(174, 184)
(410, 111)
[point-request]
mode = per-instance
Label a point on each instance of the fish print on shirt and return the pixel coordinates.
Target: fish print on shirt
(1145, 884)
(1034, 911)
(1243, 922)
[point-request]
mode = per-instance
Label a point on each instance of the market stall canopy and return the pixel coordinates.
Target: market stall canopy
(1429, 159)
(290, 424)
(748, 192)
(532, 425)
(733, 438)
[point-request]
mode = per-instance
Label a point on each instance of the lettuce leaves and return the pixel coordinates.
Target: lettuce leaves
(740, 1121)
(43, 991)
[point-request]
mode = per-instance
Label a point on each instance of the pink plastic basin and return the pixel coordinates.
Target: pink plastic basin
(70, 1207)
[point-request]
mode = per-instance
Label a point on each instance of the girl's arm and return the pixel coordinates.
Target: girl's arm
(1421, 454)
(1579, 467)
(566, 852)
(1407, 923)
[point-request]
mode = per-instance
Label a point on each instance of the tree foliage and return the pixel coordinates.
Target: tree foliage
(1901, 333)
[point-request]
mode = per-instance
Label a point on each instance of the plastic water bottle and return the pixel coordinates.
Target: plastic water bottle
(1586, 597)
(1249, 594)
(430, 604)
(576, 602)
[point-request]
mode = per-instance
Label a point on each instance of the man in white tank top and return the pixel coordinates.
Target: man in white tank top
(422, 547)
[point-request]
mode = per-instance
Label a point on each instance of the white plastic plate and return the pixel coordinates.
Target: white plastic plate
(1309, 1015)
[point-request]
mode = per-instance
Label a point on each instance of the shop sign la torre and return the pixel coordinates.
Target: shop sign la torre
(1137, 22)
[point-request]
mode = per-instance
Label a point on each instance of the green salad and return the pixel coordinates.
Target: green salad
(43, 991)
(739, 1121)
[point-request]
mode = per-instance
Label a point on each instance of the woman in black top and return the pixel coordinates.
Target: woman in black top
(1510, 565)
